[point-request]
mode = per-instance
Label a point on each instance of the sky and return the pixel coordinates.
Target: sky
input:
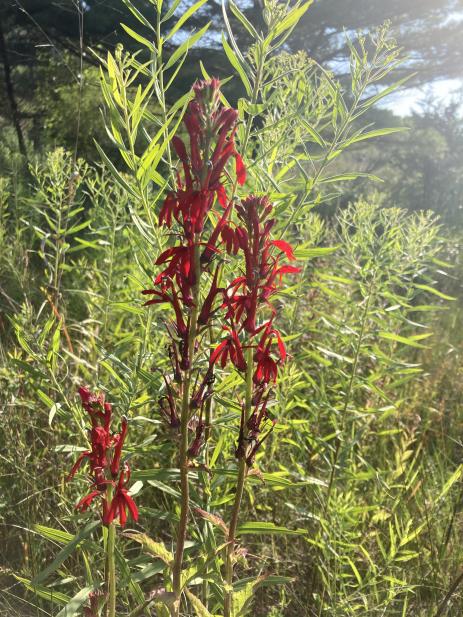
(411, 99)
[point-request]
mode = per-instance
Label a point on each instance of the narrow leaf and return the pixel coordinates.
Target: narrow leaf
(65, 552)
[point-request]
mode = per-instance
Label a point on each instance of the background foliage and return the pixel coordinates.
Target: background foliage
(358, 507)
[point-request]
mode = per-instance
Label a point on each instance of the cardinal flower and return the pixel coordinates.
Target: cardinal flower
(104, 458)
(229, 348)
(121, 502)
(263, 271)
(264, 357)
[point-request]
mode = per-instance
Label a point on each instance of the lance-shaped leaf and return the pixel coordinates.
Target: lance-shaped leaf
(213, 519)
(73, 606)
(199, 608)
(242, 599)
(157, 549)
(65, 552)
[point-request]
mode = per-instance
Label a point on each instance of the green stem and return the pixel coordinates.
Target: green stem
(110, 574)
(206, 480)
(242, 470)
(347, 399)
(183, 457)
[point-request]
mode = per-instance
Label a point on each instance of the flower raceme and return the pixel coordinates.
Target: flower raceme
(211, 129)
(199, 198)
(104, 458)
(263, 271)
(245, 298)
(248, 294)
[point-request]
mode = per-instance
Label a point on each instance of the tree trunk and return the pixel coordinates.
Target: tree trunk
(10, 94)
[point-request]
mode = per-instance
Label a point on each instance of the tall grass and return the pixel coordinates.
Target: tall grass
(353, 505)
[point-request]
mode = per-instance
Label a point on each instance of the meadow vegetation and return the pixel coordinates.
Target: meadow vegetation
(352, 503)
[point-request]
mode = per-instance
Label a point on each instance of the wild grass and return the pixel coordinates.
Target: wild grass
(354, 506)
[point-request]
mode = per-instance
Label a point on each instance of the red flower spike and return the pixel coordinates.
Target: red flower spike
(262, 269)
(104, 458)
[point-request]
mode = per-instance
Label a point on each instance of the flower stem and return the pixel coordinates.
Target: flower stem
(183, 456)
(110, 574)
(242, 471)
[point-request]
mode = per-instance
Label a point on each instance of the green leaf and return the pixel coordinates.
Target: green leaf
(267, 581)
(401, 339)
(56, 535)
(139, 38)
(136, 13)
(450, 482)
(74, 604)
(65, 552)
(312, 253)
(45, 399)
(291, 19)
(313, 133)
(170, 11)
(349, 176)
(198, 606)
(116, 175)
(436, 292)
(157, 549)
(414, 534)
(234, 61)
(43, 592)
(366, 104)
(165, 488)
(254, 527)
(184, 17)
(243, 595)
(376, 133)
(243, 19)
(186, 45)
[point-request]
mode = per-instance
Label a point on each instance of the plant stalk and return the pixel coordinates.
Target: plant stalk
(110, 574)
(183, 456)
(242, 472)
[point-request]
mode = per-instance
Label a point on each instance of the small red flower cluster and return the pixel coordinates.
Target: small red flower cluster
(244, 297)
(211, 130)
(104, 459)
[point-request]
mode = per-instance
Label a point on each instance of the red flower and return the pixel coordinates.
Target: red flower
(231, 348)
(266, 365)
(168, 294)
(207, 309)
(104, 458)
(245, 294)
(121, 502)
(85, 502)
(94, 404)
(285, 248)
